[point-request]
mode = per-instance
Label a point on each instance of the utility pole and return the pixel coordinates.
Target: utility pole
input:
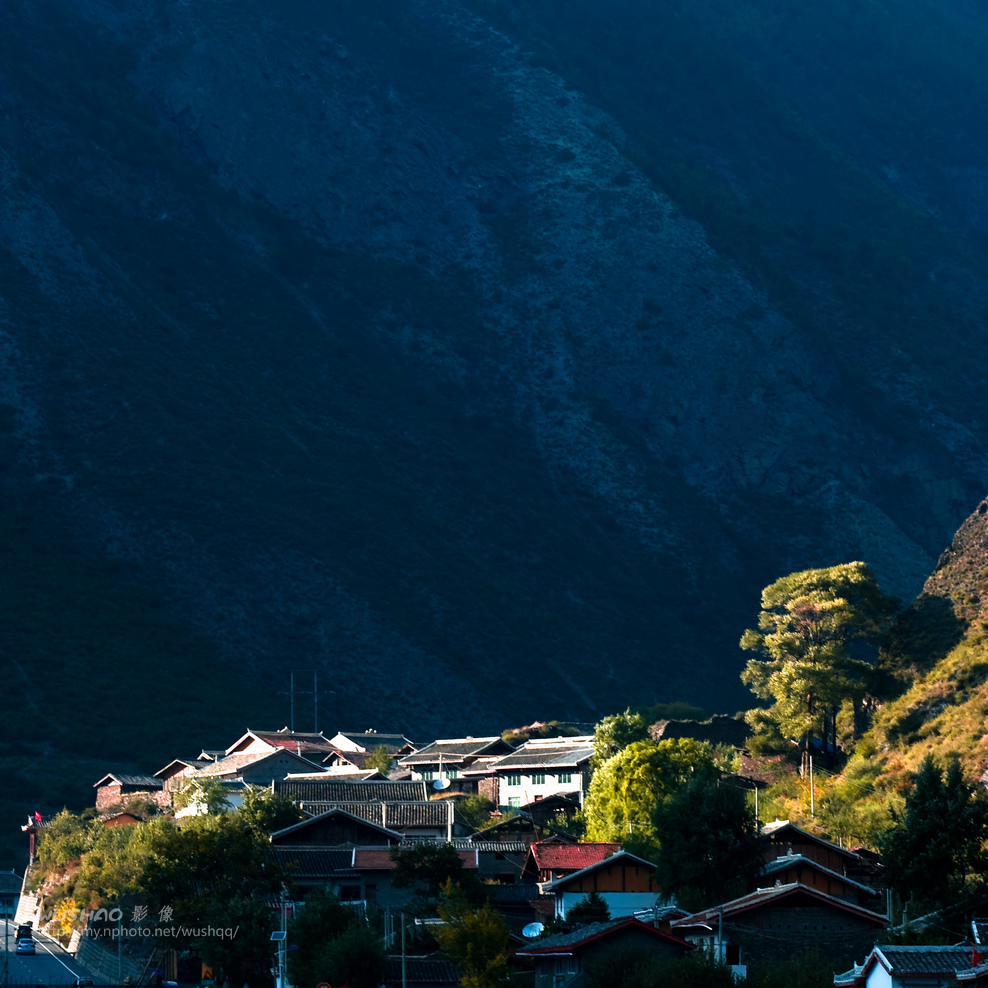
(404, 972)
(812, 803)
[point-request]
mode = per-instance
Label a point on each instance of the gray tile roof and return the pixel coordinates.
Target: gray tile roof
(925, 960)
(147, 782)
(785, 860)
(312, 862)
(455, 750)
(543, 754)
(581, 933)
(398, 816)
(339, 791)
(421, 971)
(371, 740)
(10, 882)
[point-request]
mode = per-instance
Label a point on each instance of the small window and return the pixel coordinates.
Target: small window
(513, 779)
(538, 778)
(514, 801)
(732, 954)
(565, 777)
(452, 773)
(428, 776)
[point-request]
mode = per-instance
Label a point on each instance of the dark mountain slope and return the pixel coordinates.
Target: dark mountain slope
(351, 337)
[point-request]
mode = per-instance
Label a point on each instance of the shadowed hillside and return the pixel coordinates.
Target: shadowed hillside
(486, 358)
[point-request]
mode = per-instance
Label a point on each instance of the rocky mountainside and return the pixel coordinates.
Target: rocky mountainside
(487, 358)
(939, 652)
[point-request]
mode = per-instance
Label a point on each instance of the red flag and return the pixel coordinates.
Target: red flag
(975, 955)
(37, 816)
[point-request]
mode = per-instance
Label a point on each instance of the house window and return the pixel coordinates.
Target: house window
(452, 773)
(513, 779)
(538, 778)
(732, 954)
(566, 777)
(514, 801)
(428, 776)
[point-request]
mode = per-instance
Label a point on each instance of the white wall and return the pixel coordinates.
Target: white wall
(528, 791)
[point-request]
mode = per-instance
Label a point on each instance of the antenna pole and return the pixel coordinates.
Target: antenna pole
(315, 701)
(291, 693)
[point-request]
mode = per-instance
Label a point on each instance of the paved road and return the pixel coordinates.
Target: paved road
(50, 965)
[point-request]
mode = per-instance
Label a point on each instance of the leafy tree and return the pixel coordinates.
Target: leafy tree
(211, 863)
(476, 940)
(266, 812)
(322, 918)
(207, 792)
(426, 868)
(356, 956)
(474, 811)
(808, 620)
(626, 790)
(935, 848)
(615, 732)
(710, 843)
(380, 760)
(590, 909)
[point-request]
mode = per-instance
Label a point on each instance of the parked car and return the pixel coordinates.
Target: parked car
(84, 983)
(25, 931)
(25, 946)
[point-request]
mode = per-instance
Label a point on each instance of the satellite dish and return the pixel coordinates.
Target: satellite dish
(532, 930)
(441, 784)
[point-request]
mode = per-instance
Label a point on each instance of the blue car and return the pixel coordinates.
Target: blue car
(24, 946)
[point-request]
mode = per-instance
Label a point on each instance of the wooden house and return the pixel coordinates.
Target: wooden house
(623, 880)
(561, 960)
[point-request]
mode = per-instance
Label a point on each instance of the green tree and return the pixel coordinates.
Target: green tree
(427, 867)
(380, 760)
(615, 732)
(206, 792)
(321, 919)
(590, 909)
(355, 957)
(266, 812)
(934, 850)
(626, 790)
(474, 811)
(711, 846)
(808, 620)
(476, 940)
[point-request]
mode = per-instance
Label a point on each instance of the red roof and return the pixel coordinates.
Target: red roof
(570, 857)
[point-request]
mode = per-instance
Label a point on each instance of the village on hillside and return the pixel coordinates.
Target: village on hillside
(368, 803)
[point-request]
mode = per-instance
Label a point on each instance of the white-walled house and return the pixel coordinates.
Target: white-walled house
(539, 768)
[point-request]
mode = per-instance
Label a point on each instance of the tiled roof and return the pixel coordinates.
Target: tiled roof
(566, 943)
(495, 846)
(337, 790)
(177, 764)
(604, 862)
(242, 759)
(148, 782)
(455, 750)
(278, 837)
(547, 753)
(10, 882)
(398, 816)
(422, 971)
(924, 960)
(761, 896)
(379, 859)
(787, 860)
(312, 862)
(570, 857)
(303, 744)
(781, 827)
(371, 740)
(514, 893)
